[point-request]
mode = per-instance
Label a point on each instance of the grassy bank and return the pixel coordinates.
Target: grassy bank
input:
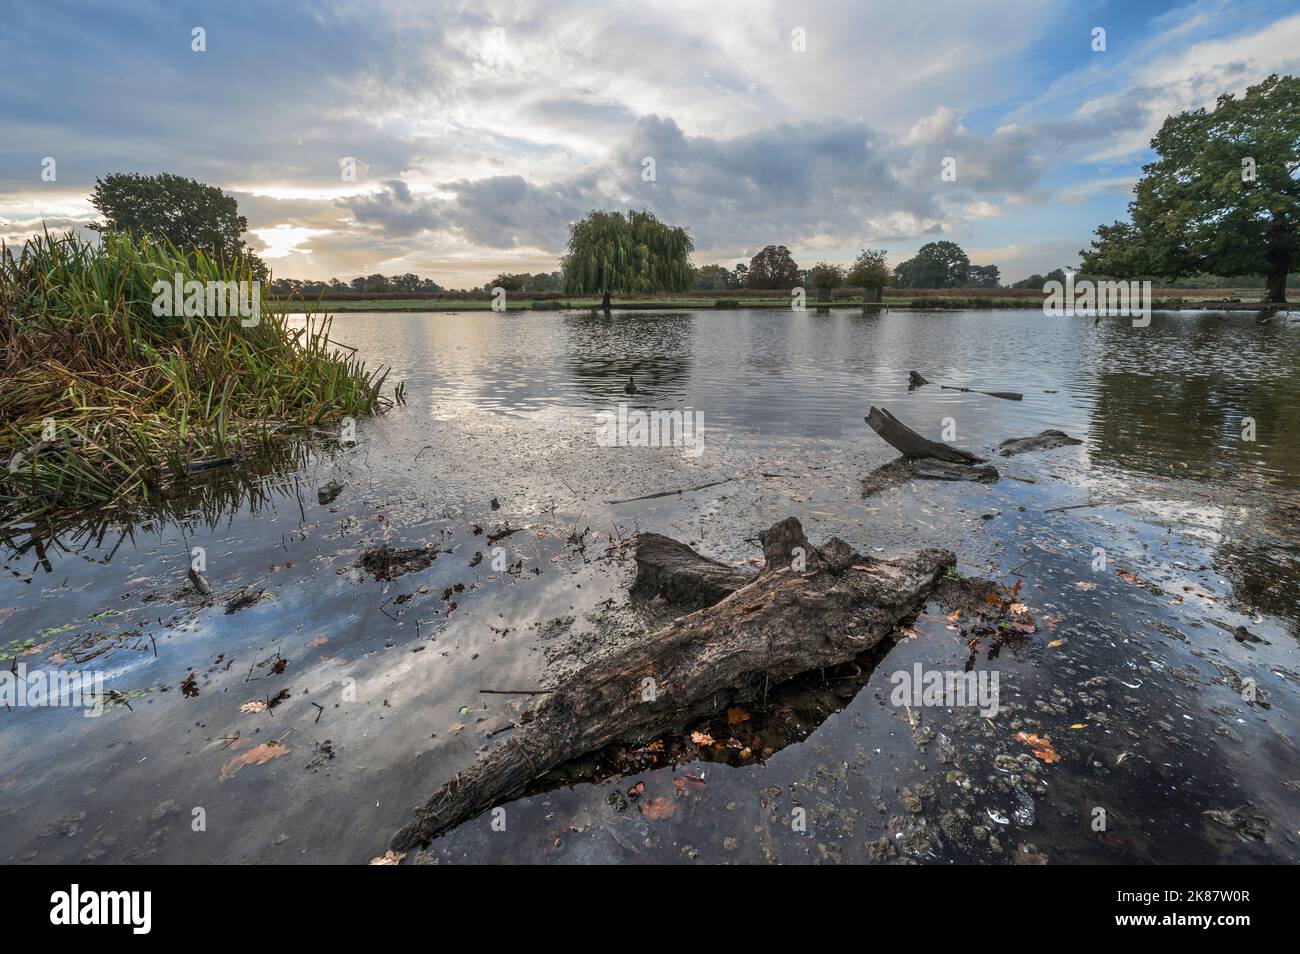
(103, 400)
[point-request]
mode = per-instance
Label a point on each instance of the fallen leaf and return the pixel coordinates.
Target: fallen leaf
(1042, 747)
(658, 808)
(389, 857)
(1085, 586)
(1056, 642)
(736, 715)
(257, 705)
(258, 755)
(316, 641)
(1079, 725)
(701, 738)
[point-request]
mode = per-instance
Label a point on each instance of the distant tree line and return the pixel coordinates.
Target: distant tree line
(375, 284)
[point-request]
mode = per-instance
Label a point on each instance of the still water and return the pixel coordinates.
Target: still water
(1188, 467)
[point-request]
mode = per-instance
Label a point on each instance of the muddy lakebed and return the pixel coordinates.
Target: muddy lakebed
(303, 710)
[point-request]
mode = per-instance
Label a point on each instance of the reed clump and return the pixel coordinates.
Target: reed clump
(104, 400)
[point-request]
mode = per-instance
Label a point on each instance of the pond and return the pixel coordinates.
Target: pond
(307, 726)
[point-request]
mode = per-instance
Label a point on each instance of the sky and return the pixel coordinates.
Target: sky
(478, 131)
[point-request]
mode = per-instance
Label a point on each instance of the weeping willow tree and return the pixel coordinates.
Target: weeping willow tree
(632, 253)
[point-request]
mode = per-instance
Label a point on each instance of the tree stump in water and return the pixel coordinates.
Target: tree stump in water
(911, 444)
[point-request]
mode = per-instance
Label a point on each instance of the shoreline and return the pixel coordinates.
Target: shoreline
(452, 307)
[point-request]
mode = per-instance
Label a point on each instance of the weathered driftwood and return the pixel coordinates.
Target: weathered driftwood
(911, 444)
(1004, 395)
(1044, 440)
(786, 622)
(917, 380)
(667, 568)
(901, 470)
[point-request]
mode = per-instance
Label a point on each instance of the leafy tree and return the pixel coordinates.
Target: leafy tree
(740, 276)
(1198, 208)
(511, 283)
(1038, 281)
(772, 268)
(358, 284)
(713, 278)
(870, 272)
(936, 265)
(191, 215)
(983, 276)
(632, 253)
(825, 279)
(544, 282)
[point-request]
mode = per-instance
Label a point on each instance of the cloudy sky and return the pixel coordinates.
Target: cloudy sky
(480, 130)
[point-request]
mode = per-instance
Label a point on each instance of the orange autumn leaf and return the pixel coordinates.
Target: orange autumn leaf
(701, 738)
(737, 715)
(1041, 747)
(258, 755)
(389, 857)
(658, 808)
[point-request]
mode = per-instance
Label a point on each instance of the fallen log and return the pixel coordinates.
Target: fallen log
(1045, 440)
(911, 444)
(901, 470)
(786, 622)
(668, 568)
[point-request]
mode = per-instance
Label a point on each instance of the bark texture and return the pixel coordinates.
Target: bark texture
(668, 568)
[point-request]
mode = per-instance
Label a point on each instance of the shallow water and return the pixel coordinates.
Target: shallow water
(1199, 529)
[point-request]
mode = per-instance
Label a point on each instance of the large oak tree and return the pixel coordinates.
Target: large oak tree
(1223, 196)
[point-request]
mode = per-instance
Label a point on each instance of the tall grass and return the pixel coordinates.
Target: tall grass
(134, 397)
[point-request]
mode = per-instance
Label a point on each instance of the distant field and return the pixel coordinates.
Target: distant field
(898, 298)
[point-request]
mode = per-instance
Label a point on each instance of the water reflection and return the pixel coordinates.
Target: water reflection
(265, 482)
(1164, 404)
(602, 353)
(1212, 403)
